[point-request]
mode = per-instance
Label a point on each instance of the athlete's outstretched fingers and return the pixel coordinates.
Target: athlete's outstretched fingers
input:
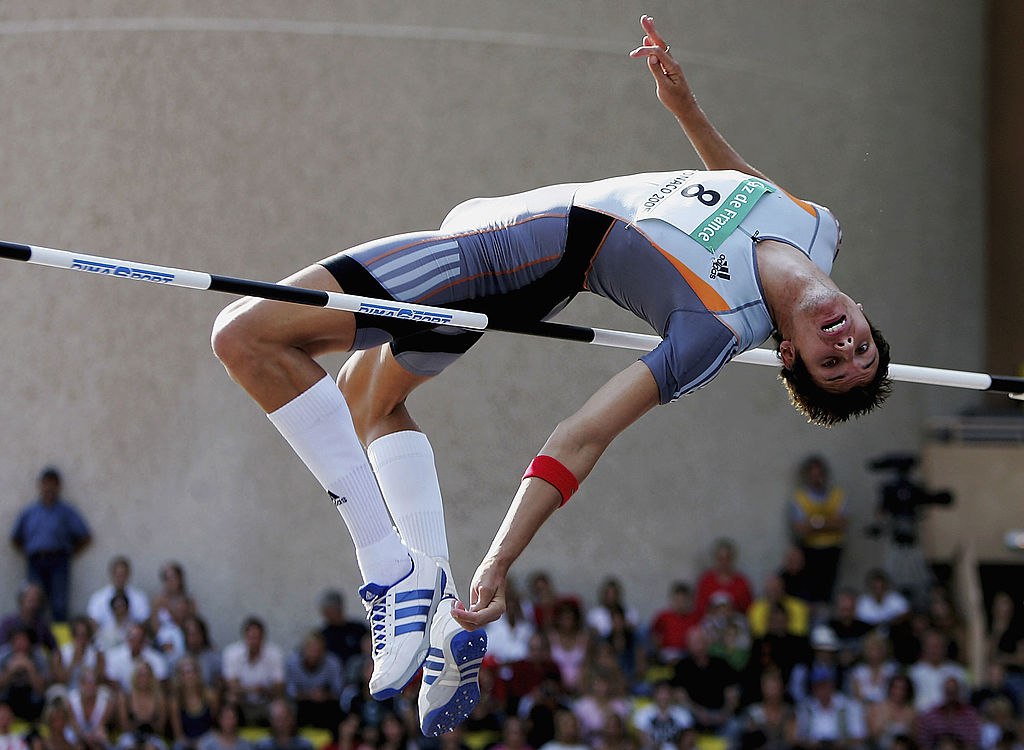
(655, 53)
(656, 49)
(651, 33)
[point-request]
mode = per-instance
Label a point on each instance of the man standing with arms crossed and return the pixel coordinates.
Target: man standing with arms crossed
(49, 532)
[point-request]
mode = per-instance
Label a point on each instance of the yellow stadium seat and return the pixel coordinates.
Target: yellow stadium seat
(253, 734)
(319, 738)
(711, 742)
(61, 631)
(480, 739)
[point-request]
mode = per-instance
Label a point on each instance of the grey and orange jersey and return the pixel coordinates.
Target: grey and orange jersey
(675, 248)
(681, 255)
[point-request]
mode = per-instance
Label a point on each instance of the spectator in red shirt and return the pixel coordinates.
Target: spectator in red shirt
(954, 717)
(724, 576)
(670, 626)
(544, 599)
(526, 675)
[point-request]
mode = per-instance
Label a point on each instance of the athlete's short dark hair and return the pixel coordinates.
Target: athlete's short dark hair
(826, 408)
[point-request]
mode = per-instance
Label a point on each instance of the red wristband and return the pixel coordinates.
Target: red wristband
(554, 472)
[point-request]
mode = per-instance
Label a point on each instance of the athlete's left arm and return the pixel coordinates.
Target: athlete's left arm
(577, 443)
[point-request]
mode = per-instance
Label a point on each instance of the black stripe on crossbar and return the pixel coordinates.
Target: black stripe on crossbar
(1006, 384)
(266, 290)
(15, 251)
(549, 330)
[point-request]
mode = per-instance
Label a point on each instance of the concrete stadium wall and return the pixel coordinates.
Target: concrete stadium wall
(249, 138)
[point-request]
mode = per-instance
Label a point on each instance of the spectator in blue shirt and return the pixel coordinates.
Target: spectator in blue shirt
(313, 681)
(49, 532)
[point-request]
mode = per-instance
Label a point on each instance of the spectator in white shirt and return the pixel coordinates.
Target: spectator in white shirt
(508, 637)
(120, 571)
(881, 605)
(829, 718)
(933, 668)
(662, 722)
(120, 660)
(254, 672)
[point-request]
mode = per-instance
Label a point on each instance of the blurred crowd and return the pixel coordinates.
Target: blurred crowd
(725, 663)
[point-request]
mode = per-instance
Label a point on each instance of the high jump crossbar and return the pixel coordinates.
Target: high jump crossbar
(167, 276)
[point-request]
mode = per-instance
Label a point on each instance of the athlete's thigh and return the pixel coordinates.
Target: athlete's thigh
(316, 330)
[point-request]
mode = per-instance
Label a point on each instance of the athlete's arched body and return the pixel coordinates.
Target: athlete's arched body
(714, 260)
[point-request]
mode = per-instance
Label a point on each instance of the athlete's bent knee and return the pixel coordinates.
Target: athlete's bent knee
(232, 340)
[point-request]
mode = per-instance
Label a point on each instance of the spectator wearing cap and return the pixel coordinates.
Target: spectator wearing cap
(824, 656)
(727, 630)
(49, 532)
(342, 636)
(827, 718)
(724, 576)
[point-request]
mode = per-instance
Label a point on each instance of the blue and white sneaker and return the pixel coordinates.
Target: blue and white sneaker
(450, 687)
(399, 616)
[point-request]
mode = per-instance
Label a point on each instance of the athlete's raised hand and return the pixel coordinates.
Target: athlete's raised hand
(674, 92)
(672, 88)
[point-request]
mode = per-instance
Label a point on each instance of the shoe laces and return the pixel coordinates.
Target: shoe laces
(378, 617)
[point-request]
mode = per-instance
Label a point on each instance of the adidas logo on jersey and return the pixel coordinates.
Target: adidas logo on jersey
(337, 500)
(720, 268)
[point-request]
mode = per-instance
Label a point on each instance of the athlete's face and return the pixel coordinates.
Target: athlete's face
(832, 336)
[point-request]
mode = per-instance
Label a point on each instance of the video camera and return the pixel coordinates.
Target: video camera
(902, 497)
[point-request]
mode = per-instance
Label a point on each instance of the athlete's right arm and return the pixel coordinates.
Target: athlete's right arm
(675, 93)
(577, 443)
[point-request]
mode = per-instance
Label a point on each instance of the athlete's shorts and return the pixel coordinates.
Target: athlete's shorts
(517, 259)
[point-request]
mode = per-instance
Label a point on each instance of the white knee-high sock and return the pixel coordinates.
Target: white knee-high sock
(404, 465)
(318, 426)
